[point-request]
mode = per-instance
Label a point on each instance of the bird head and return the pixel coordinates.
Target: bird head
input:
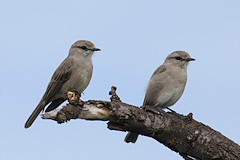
(179, 59)
(83, 47)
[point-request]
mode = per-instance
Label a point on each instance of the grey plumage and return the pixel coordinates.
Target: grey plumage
(74, 72)
(166, 85)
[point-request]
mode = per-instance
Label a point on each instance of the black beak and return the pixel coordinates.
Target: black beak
(190, 59)
(96, 49)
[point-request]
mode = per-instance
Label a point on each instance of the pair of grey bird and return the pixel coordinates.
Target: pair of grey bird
(164, 89)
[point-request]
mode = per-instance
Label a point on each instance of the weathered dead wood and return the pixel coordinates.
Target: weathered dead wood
(182, 134)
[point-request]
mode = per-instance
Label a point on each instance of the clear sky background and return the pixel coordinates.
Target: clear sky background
(135, 38)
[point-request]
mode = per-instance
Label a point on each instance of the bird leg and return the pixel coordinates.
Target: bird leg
(171, 110)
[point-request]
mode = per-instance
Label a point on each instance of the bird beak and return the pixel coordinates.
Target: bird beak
(190, 59)
(96, 49)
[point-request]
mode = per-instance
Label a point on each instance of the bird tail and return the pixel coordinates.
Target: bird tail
(34, 114)
(131, 137)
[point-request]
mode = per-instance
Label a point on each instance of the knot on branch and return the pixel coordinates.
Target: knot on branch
(68, 112)
(114, 96)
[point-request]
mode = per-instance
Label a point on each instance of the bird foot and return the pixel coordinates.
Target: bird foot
(73, 96)
(151, 109)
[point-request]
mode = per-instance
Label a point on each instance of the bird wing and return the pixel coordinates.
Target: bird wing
(60, 76)
(155, 86)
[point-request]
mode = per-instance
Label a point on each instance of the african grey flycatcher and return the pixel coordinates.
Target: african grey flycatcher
(166, 85)
(75, 72)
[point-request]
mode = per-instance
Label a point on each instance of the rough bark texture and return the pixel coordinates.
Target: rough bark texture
(182, 134)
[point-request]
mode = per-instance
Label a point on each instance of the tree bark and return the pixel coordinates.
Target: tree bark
(182, 134)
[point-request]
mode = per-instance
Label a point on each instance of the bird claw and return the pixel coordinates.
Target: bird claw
(73, 96)
(150, 109)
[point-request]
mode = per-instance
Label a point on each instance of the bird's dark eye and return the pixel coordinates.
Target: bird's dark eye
(83, 47)
(178, 58)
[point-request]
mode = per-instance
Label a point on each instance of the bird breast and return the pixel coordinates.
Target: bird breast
(80, 76)
(173, 89)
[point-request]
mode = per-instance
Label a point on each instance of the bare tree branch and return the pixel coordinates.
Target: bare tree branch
(182, 134)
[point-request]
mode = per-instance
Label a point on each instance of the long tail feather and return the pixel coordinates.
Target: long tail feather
(131, 137)
(34, 114)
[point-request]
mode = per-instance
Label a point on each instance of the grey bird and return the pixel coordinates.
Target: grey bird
(166, 85)
(74, 72)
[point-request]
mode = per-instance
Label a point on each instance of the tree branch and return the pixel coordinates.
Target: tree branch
(180, 133)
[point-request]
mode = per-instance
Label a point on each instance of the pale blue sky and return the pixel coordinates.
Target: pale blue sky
(135, 38)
